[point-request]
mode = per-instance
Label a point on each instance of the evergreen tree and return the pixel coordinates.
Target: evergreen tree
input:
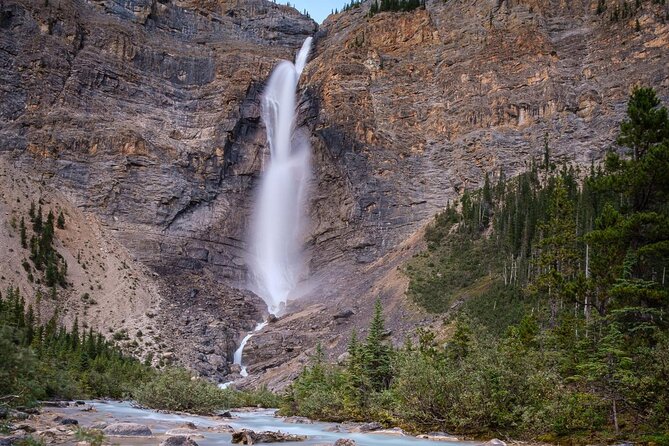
(376, 352)
(37, 221)
(61, 221)
(22, 231)
(646, 125)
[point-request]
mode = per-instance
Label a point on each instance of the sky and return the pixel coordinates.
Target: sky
(318, 9)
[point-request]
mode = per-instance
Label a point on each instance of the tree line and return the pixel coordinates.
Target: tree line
(554, 296)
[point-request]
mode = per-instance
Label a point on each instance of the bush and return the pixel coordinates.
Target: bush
(177, 390)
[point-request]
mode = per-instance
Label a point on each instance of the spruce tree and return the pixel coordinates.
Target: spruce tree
(22, 230)
(376, 352)
(37, 221)
(647, 123)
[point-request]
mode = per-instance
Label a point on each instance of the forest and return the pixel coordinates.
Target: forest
(553, 292)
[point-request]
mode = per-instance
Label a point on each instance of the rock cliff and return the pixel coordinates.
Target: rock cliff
(145, 114)
(410, 109)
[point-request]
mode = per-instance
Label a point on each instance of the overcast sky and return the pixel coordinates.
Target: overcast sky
(318, 9)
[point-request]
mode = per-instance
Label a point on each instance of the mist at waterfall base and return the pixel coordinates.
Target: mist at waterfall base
(277, 262)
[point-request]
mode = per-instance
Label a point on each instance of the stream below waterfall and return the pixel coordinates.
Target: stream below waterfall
(207, 434)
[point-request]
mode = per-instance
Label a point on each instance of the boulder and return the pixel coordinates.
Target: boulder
(438, 436)
(495, 442)
(69, 422)
(127, 430)
(367, 427)
(222, 428)
(54, 404)
(11, 440)
(18, 415)
(393, 431)
(344, 442)
(250, 437)
(181, 431)
(178, 440)
(344, 314)
(298, 420)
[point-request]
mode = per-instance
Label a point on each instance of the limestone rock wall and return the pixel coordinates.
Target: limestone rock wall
(145, 114)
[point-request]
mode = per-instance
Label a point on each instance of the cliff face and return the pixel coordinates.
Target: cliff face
(416, 107)
(145, 115)
(413, 108)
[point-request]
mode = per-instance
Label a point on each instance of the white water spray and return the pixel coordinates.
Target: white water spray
(240, 350)
(279, 216)
(238, 354)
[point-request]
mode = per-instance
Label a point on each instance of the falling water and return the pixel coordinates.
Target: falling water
(240, 350)
(279, 214)
(279, 217)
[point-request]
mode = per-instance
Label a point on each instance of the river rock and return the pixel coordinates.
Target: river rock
(178, 440)
(181, 431)
(69, 422)
(344, 442)
(394, 431)
(54, 403)
(495, 442)
(250, 437)
(127, 430)
(11, 440)
(298, 420)
(221, 428)
(438, 436)
(367, 427)
(18, 415)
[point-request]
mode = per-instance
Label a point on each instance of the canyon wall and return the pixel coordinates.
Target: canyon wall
(145, 116)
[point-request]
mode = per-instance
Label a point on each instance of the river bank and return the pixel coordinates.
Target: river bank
(59, 425)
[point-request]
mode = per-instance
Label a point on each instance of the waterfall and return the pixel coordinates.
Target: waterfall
(279, 217)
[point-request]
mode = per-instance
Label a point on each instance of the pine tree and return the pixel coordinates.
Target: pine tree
(61, 220)
(376, 352)
(647, 123)
(37, 221)
(22, 230)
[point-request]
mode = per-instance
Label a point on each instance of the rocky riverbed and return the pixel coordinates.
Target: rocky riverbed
(125, 424)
